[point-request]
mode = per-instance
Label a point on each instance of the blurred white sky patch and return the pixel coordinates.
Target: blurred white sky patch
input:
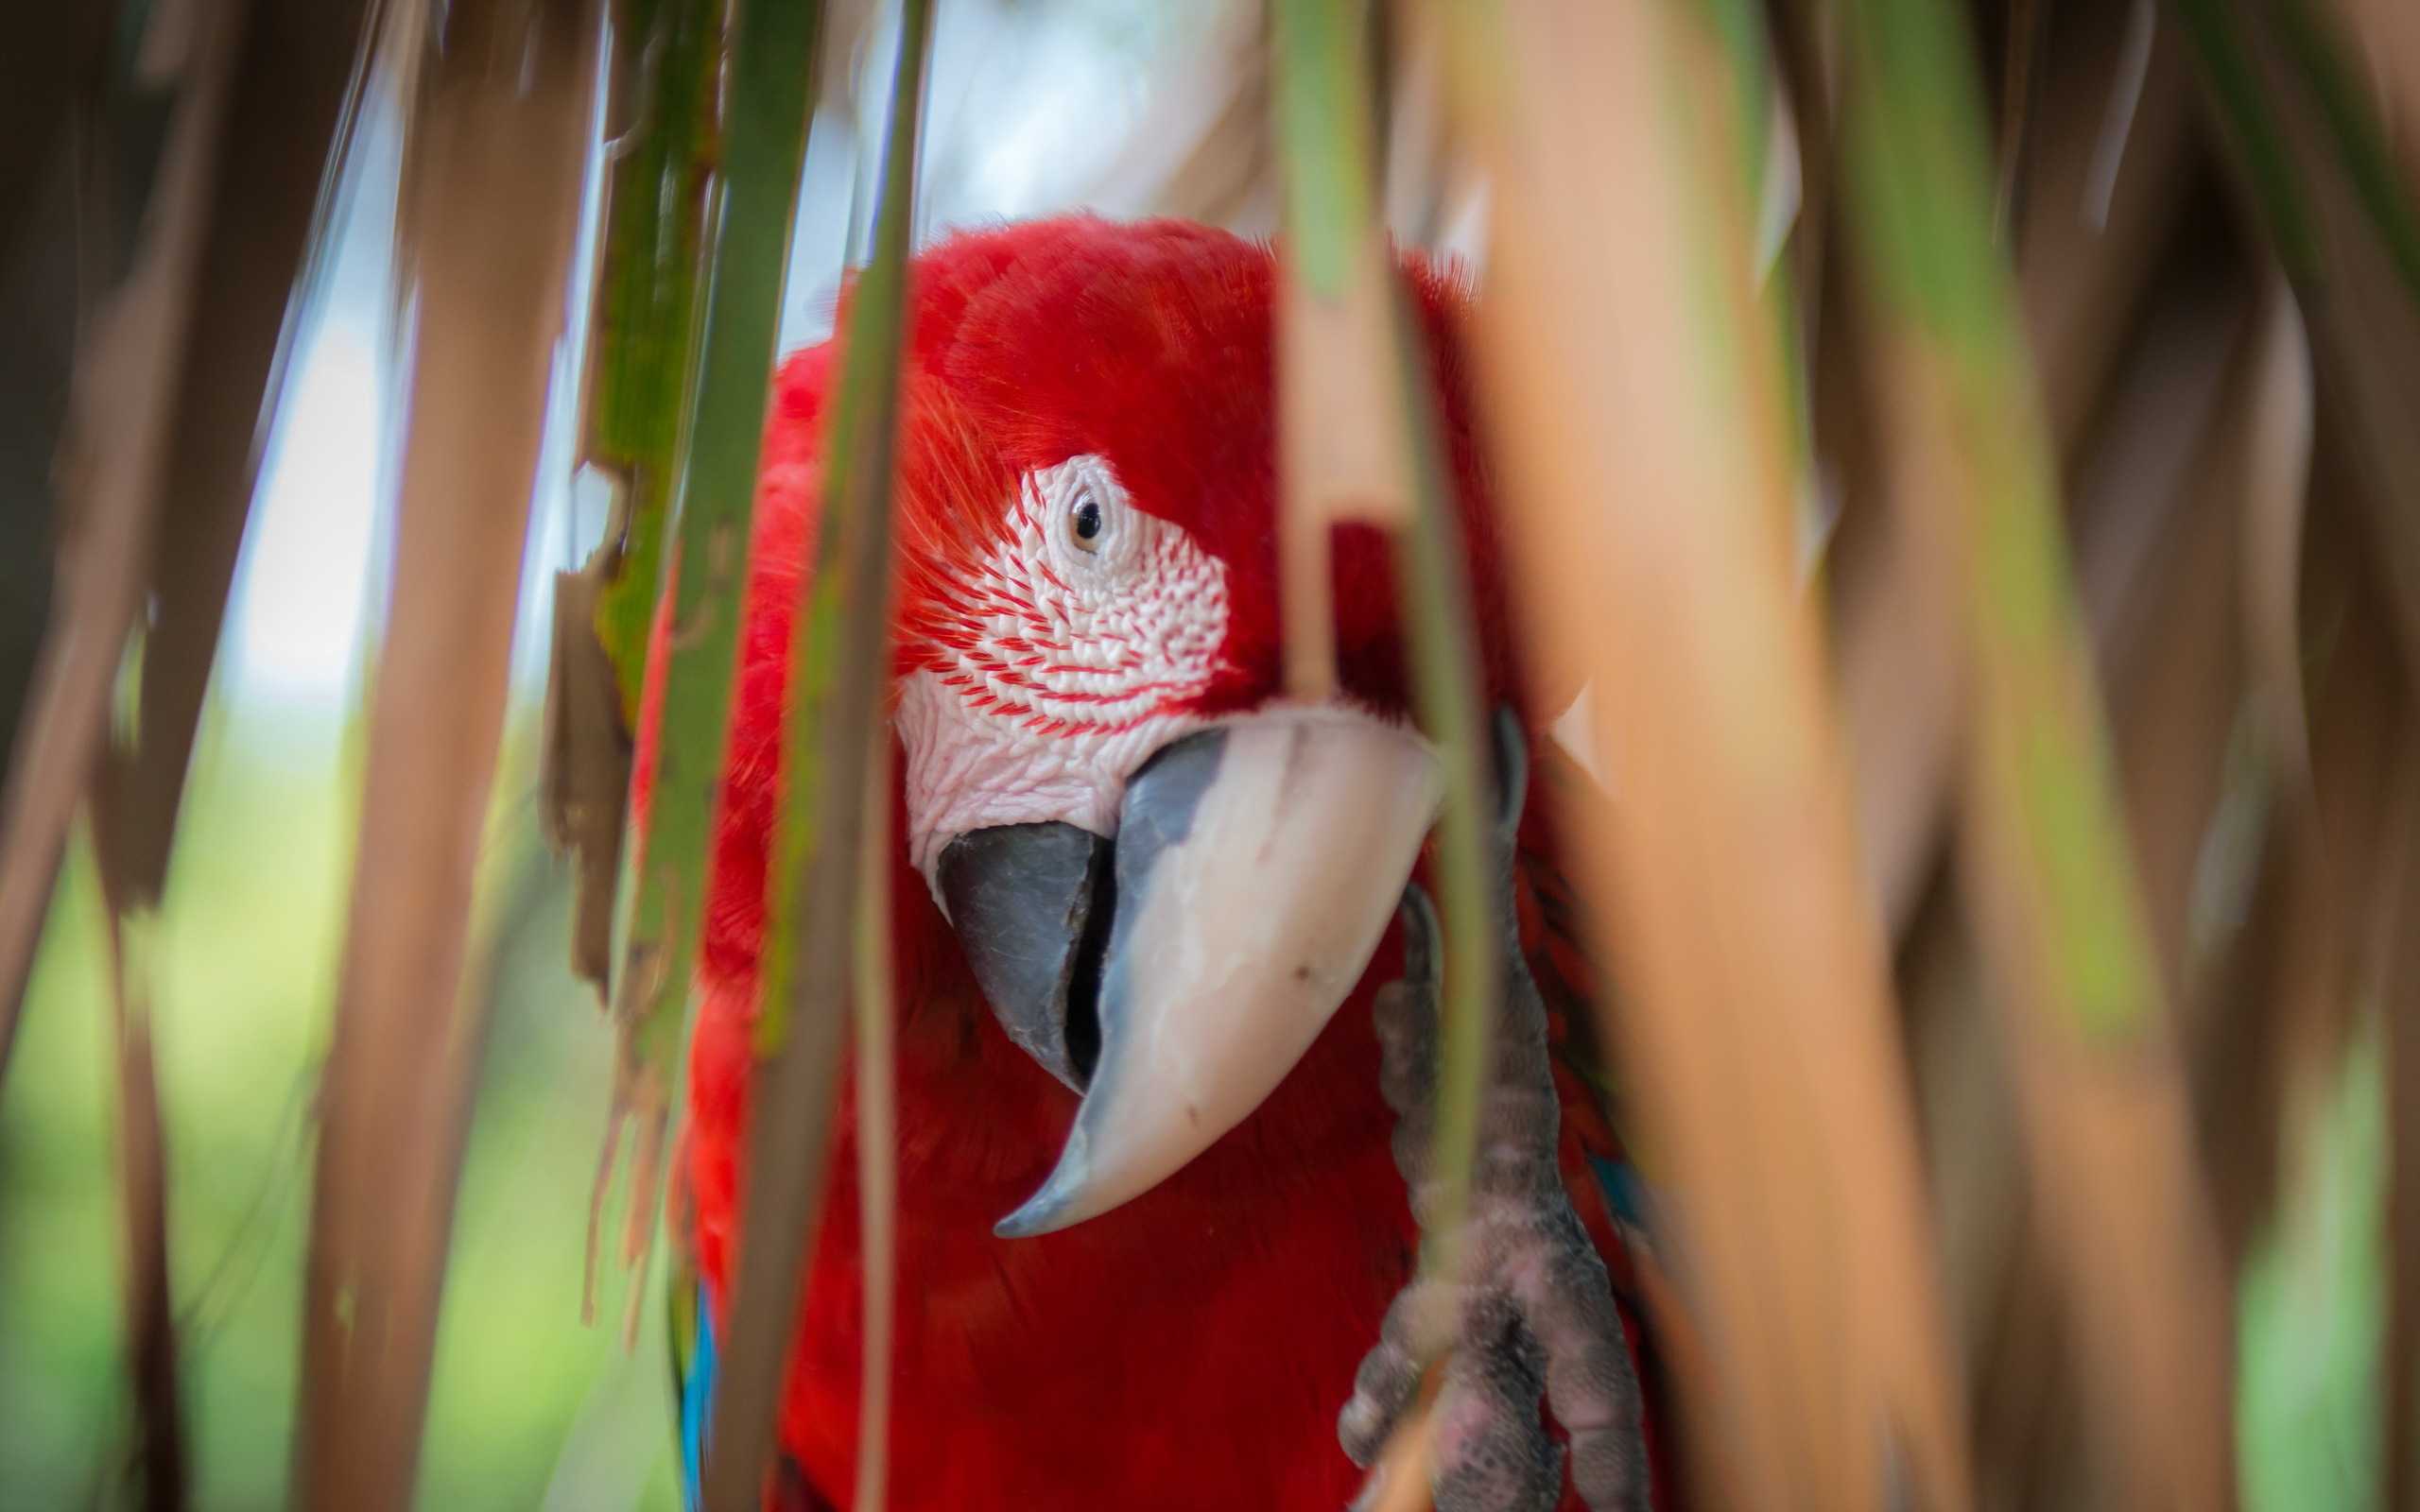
(1029, 103)
(304, 574)
(302, 586)
(1032, 102)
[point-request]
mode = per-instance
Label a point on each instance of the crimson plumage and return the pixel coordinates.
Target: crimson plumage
(1192, 1347)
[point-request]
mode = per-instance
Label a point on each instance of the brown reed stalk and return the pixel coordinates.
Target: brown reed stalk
(1632, 376)
(493, 173)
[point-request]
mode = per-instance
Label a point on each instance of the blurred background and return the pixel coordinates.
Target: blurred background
(2194, 216)
(1033, 105)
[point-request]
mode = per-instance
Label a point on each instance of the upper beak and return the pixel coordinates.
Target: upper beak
(1176, 975)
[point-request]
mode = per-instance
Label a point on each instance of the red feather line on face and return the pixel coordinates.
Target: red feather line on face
(1139, 641)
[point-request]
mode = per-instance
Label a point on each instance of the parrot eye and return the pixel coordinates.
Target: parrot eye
(1084, 523)
(1083, 520)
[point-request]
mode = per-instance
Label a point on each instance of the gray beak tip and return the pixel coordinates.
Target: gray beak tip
(1054, 1207)
(1027, 1221)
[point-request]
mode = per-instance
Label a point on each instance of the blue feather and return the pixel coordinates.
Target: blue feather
(697, 1384)
(1623, 1188)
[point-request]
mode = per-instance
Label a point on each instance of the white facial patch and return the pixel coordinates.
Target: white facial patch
(1078, 645)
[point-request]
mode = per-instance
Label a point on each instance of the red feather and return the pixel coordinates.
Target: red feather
(1191, 1348)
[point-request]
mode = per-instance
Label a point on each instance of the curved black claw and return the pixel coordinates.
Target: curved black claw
(1533, 1313)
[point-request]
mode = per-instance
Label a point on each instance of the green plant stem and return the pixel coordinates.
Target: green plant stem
(747, 220)
(643, 341)
(1316, 47)
(1920, 172)
(1434, 586)
(2047, 860)
(838, 661)
(1321, 97)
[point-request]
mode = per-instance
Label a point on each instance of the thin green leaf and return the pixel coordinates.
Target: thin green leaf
(1318, 53)
(664, 136)
(838, 665)
(1443, 638)
(2047, 860)
(663, 133)
(1938, 278)
(644, 305)
(1319, 61)
(650, 272)
(877, 1128)
(772, 98)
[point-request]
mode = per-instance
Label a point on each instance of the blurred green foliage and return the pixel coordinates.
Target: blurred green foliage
(531, 1408)
(2310, 1314)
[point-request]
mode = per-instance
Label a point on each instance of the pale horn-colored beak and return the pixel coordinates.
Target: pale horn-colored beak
(1257, 863)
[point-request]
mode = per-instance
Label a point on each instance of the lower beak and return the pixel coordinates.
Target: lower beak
(1255, 867)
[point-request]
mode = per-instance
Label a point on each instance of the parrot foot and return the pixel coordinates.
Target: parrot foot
(1533, 1315)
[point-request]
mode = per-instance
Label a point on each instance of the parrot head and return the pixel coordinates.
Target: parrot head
(1164, 875)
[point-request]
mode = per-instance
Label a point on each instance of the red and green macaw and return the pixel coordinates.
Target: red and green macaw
(1166, 1001)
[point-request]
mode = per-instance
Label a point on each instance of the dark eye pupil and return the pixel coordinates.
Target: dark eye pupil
(1088, 521)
